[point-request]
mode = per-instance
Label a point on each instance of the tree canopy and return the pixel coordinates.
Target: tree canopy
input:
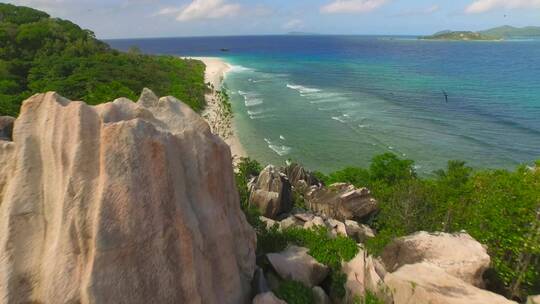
(39, 53)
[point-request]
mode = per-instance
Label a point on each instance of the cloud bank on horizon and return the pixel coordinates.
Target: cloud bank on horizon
(139, 18)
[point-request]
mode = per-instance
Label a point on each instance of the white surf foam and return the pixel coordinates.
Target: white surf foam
(302, 89)
(251, 99)
(280, 150)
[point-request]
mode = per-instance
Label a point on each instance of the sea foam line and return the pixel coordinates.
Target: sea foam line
(280, 150)
(302, 89)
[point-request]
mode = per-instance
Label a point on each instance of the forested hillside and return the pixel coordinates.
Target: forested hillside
(39, 53)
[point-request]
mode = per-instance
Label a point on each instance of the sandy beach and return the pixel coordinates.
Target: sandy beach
(217, 117)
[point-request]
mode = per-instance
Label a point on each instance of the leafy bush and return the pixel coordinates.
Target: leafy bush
(499, 208)
(39, 54)
(294, 293)
(369, 298)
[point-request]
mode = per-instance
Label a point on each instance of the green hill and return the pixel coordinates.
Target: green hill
(460, 36)
(507, 31)
(39, 53)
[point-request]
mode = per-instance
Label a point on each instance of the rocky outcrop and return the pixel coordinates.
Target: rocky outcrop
(271, 193)
(359, 232)
(341, 201)
(458, 254)
(300, 178)
(533, 300)
(427, 283)
(120, 203)
(364, 273)
(6, 127)
(296, 264)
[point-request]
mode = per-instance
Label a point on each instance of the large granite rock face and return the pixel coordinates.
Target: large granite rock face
(341, 201)
(533, 300)
(300, 178)
(427, 283)
(120, 203)
(271, 193)
(458, 254)
(6, 127)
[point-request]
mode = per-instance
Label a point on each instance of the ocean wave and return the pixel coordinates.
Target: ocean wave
(280, 150)
(338, 118)
(282, 137)
(239, 69)
(251, 99)
(302, 89)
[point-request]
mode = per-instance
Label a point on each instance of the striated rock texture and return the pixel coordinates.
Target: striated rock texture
(6, 127)
(458, 254)
(119, 203)
(341, 201)
(271, 193)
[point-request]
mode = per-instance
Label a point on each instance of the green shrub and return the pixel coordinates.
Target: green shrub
(369, 298)
(499, 208)
(294, 293)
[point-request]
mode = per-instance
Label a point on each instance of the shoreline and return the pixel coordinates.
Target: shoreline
(220, 119)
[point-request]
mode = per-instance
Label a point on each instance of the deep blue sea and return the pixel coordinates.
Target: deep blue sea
(335, 101)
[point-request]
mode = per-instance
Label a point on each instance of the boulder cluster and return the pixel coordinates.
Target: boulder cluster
(435, 268)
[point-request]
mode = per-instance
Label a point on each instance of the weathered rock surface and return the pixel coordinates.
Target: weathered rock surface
(300, 178)
(120, 203)
(271, 193)
(296, 264)
(341, 201)
(6, 127)
(336, 227)
(364, 273)
(427, 283)
(359, 232)
(458, 254)
(533, 300)
(268, 298)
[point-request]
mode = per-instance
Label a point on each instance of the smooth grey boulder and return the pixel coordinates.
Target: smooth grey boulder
(458, 254)
(320, 296)
(341, 201)
(359, 232)
(294, 263)
(271, 193)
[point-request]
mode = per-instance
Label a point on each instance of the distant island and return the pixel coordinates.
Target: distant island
(494, 34)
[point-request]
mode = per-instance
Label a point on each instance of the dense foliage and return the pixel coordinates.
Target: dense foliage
(39, 54)
(294, 293)
(497, 207)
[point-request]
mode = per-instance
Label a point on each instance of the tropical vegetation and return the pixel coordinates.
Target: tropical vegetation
(39, 53)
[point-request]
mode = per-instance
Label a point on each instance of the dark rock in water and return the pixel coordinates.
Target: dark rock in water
(341, 201)
(6, 127)
(271, 193)
(259, 284)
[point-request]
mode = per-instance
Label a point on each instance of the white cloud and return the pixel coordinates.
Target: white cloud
(293, 24)
(352, 6)
(419, 12)
(482, 6)
(203, 9)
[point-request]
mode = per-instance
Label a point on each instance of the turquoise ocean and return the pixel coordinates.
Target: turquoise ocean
(335, 101)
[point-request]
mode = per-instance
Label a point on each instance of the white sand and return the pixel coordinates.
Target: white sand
(221, 123)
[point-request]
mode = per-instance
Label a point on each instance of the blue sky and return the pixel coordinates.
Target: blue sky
(169, 18)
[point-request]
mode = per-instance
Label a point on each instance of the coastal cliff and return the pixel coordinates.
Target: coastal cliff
(120, 203)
